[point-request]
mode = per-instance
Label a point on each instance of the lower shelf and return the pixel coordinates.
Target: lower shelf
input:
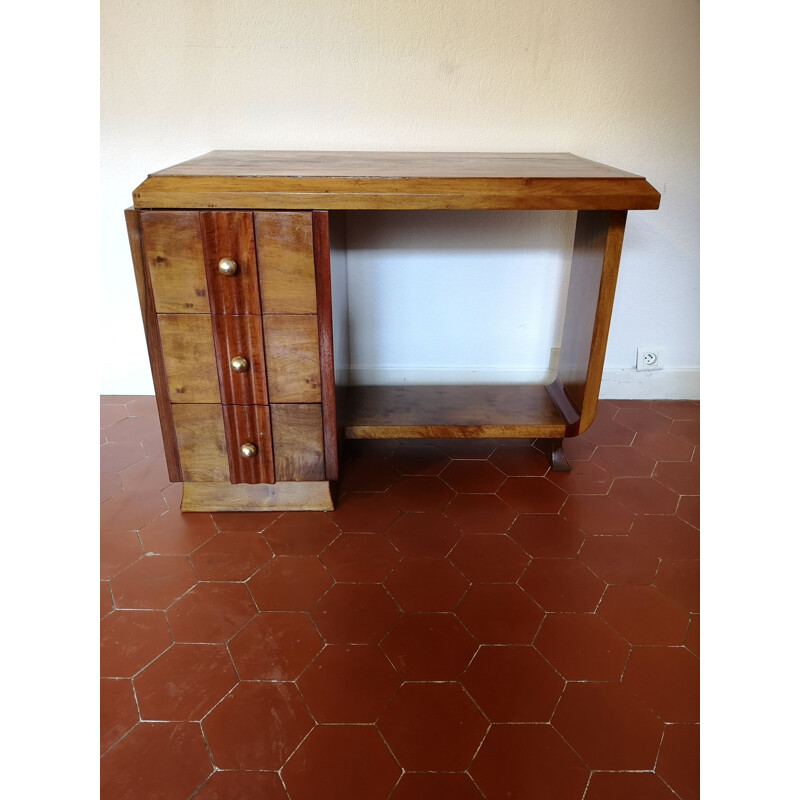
(445, 412)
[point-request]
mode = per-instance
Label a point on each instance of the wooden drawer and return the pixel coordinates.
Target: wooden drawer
(236, 349)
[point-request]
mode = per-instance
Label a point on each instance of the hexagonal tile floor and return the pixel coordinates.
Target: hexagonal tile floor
(465, 625)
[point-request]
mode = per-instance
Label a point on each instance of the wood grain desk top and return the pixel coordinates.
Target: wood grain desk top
(409, 180)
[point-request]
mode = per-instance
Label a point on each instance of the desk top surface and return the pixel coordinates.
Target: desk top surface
(404, 180)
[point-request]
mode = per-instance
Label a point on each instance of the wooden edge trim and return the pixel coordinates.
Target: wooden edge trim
(322, 272)
(533, 431)
(155, 353)
(285, 496)
(562, 402)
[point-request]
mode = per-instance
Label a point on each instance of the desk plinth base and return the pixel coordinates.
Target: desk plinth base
(287, 496)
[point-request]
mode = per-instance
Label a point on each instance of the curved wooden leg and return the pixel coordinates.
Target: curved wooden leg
(554, 450)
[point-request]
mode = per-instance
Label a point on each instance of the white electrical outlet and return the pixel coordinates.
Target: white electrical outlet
(648, 358)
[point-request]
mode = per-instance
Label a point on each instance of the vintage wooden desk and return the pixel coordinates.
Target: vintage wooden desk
(233, 253)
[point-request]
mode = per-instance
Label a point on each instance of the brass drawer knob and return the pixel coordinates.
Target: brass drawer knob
(239, 364)
(248, 450)
(227, 266)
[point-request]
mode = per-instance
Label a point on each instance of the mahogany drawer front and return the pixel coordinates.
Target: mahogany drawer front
(173, 254)
(200, 433)
(249, 443)
(241, 362)
(292, 350)
(297, 440)
(187, 343)
(230, 262)
(285, 246)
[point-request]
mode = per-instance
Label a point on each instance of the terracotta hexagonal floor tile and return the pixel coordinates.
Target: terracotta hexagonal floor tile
(425, 534)
(289, 583)
(364, 512)
(489, 558)
(109, 414)
(355, 614)
(689, 509)
(532, 495)
(585, 477)
(275, 646)
(680, 581)
(429, 647)
(608, 726)
(499, 613)
(341, 761)
(185, 682)
(149, 473)
(156, 759)
(597, 514)
(472, 476)
(433, 727)
(257, 726)
(679, 760)
(619, 559)
(116, 456)
(173, 495)
(520, 460)
(582, 647)
(129, 640)
(528, 761)
(118, 712)
(513, 684)
(663, 447)
(244, 521)
(688, 430)
(677, 409)
(643, 615)
(230, 556)
(412, 458)
(305, 533)
(623, 461)
(682, 477)
(210, 613)
(367, 473)
(436, 786)
(666, 536)
(174, 533)
(349, 683)
(562, 584)
(480, 513)
(131, 510)
(118, 549)
(546, 535)
(426, 584)
(360, 558)
(110, 485)
(642, 419)
(420, 493)
(667, 681)
(606, 431)
(692, 642)
(240, 785)
(467, 448)
(106, 601)
(627, 786)
(579, 448)
(644, 496)
(153, 582)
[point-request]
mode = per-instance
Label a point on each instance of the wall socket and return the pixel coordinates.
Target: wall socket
(648, 358)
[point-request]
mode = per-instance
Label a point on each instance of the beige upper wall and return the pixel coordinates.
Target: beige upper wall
(616, 81)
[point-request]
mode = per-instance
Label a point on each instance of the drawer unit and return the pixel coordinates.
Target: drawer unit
(230, 305)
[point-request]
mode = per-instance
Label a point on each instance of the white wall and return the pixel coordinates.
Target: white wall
(616, 81)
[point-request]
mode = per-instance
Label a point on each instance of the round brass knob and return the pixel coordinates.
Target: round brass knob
(239, 364)
(248, 450)
(227, 266)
